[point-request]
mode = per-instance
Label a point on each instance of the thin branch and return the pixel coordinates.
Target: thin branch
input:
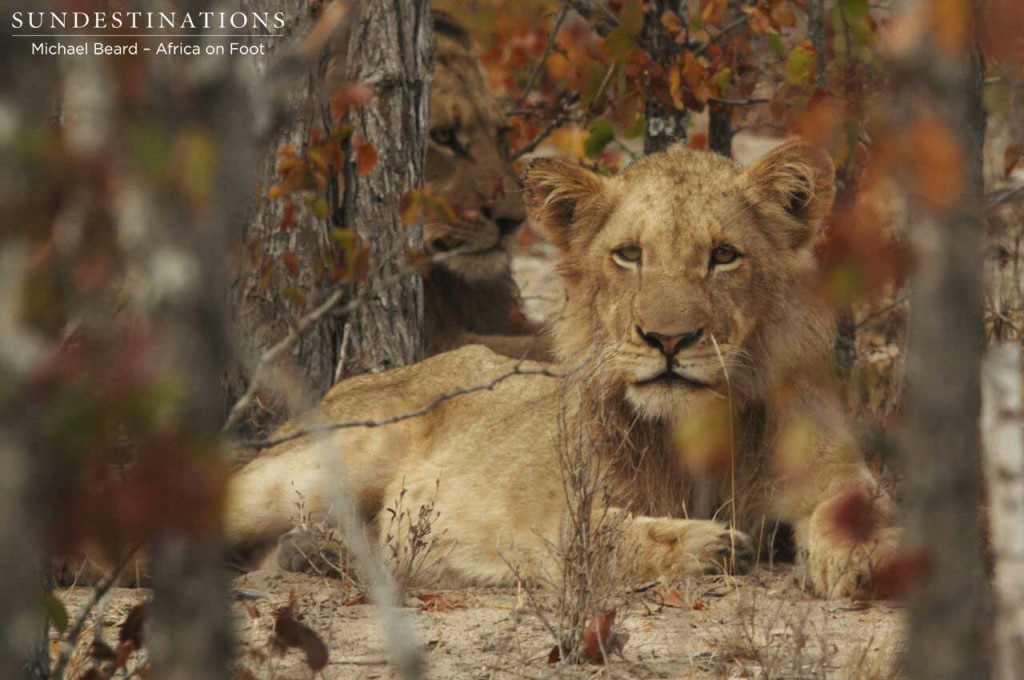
(999, 197)
(296, 331)
(544, 57)
(739, 102)
(434, 403)
(725, 31)
(532, 145)
(101, 589)
(276, 352)
(880, 312)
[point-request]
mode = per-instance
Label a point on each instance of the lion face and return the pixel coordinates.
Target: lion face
(468, 163)
(675, 267)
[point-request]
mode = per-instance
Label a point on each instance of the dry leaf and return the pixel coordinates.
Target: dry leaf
(290, 633)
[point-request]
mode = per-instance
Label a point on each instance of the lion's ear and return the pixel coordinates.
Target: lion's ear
(564, 198)
(799, 180)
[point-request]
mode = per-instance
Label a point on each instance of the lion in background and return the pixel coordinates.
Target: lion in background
(469, 293)
(687, 308)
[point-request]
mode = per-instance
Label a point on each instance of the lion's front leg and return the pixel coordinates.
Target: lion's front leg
(666, 549)
(848, 538)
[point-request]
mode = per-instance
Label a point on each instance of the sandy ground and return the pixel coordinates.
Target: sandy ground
(755, 626)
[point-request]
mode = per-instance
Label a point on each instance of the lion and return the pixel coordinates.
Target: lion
(469, 294)
(686, 279)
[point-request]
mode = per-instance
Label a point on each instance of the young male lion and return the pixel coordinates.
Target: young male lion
(686, 280)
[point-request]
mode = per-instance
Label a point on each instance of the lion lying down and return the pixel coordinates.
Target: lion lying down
(685, 278)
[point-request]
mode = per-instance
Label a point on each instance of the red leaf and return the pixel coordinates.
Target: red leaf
(366, 158)
(290, 633)
(600, 639)
(355, 599)
(291, 261)
(438, 602)
(900, 576)
(348, 96)
(855, 516)
(555, 655)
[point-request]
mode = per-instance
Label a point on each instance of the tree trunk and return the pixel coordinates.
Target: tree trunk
(816, 32)
(27, 191)
(282, 270)
(665, 124)
(190, 634)
(1002, 415)
(720, 116)
(948, 613)
(391, 49)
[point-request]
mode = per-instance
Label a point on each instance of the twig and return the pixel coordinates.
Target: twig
(739, 102)
(296, 331)
(380, 422)
(725, 31)
(879, 312)
(544, 57)
(98, 593)
(999, 197)
(276, 352)
(532, 145)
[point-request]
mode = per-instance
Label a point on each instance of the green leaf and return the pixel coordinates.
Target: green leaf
(775, 40)
(56, 612)
(854, 10)
(637, 128)
(722, 80)
(601, 132)
(800, 66)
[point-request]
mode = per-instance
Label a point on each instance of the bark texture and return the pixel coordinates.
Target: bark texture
(948, 614)
(391, 49)
(267, 294)
(665, 125)
(1004, 472)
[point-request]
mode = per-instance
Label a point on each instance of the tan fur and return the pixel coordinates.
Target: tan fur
(760, 359)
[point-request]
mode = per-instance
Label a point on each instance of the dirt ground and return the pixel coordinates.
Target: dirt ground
(755, 626)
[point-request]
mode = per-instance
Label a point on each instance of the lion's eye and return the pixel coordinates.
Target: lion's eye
(444, 135)
(627, 256)
(723, 255)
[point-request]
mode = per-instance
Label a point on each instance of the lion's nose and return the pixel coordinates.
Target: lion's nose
(669, 345)
(506, 221)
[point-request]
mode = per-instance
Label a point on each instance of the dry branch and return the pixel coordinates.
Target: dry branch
(434, 403)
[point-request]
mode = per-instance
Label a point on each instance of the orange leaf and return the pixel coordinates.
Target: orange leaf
(366, 158)
(438, 602)
(675, 598)
(355, 599)
(600, 638)
(936, 160)
(671, 21)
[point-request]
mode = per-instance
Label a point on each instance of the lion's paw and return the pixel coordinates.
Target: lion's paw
(692, 547)
(837, 567)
